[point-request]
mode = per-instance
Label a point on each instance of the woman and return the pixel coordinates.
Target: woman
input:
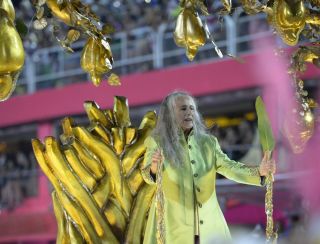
(190, 159)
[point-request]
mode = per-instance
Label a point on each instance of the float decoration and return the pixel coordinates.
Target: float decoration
(81, 22)
(99, 194)
(11, 50)
(267, 143)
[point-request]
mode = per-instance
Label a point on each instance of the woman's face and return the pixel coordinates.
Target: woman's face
(184, 110)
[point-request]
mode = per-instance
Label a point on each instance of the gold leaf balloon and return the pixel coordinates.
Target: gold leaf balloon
(114, 80)
(315, 3)
(227, 4)
(8, 7)
(62, 13)
(189, 32)
(299, 131)
(99, 194)
(96, 59)
(11, 55)
(40, 24)
(303, 55)
(252, 6)
(289, 19)
(7, 85)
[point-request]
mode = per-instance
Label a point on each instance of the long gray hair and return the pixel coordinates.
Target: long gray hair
(168, 132)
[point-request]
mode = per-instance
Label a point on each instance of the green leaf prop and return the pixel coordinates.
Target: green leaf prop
(264, 128)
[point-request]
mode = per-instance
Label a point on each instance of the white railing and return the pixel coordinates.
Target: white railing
(139, 50)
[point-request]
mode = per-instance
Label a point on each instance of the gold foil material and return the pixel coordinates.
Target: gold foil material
(11, 51)
(62, 13)
(252, 6)
(303, 55)
(189, 32)
(302, 129)
(227, 4)
(114, 80)
(7, 6)
(96, 59)
(99, 195)
(289, 19)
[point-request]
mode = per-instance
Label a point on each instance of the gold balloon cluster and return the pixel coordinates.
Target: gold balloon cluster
(306, 119)
(289, 18)
(11, 50)
(292, 19)
(99, 194)
(96, 58)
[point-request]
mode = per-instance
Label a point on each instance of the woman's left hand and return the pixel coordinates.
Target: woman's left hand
(267, 165)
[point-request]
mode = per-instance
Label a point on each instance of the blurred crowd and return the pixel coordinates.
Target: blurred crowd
(236, 140)
(123, 15)
(18, 177)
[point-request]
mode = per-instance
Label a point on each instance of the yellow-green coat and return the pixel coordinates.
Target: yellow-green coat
(191, 188)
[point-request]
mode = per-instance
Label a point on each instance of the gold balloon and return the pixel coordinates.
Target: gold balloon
(298, 133)
(11, 55)
(8, 7)
(7, 86)
(252, 6)
(114, 80)
(227, 5)
(189, 32)
(96, 59)
(289, 19)
(303, 55)
(62, 14)
(99, 194)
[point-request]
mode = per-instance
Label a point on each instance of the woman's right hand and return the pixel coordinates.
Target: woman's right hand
(155, 160)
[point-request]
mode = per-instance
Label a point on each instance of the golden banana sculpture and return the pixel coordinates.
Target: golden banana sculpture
(99, 194)
(11, 50)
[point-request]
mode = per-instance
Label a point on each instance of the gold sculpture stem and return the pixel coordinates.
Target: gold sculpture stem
(270, 234)
(160, 206)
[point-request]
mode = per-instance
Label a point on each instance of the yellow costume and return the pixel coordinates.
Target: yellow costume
(190, 201)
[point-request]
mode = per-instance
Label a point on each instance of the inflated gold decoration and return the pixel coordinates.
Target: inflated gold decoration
(11, 51)
(289, 19)
(62, 12)
(96, 59)
(227, 4)
(303, 55)
(302, 124)
(7, 6)
(189, 32)
(96, 55)
(114, 80)
(252, 6)
(99, 194)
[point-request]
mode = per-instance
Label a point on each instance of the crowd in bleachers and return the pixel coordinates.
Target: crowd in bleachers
(123, 15)
(235, 140)
(18, 176)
